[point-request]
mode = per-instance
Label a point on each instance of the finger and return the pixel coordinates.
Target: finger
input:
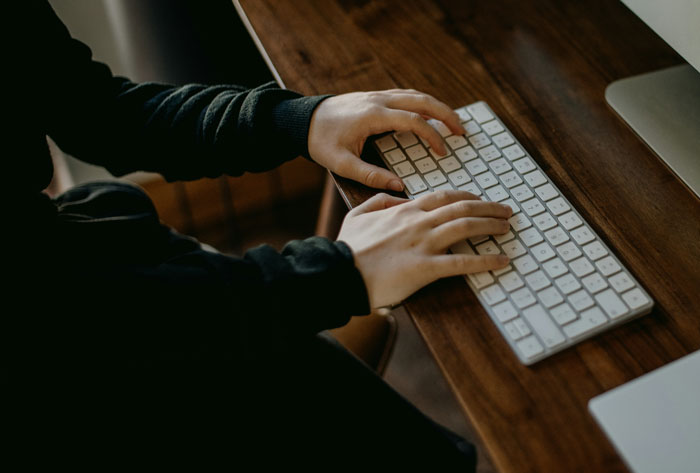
(353, 167)
(438, 199)
(427, 105)
(402, 120)
(455, 265)
(469, 208)
(378, 202)
(460, 229)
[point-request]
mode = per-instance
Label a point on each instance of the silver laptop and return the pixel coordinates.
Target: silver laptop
(654, 421)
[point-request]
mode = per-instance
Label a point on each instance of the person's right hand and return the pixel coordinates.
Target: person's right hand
(400, 245)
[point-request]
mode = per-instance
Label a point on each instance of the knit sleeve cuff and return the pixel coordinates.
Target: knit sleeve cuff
(293, 118)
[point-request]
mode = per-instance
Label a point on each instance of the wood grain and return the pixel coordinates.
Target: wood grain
(543, 67)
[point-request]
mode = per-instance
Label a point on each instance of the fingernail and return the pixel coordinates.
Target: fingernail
(396, 185)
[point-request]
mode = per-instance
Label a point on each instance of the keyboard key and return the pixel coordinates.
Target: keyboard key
(480, 113)
(581, 267)
(522, 193)
(476, 166)
(493, 127)
(529, 347)
(404, 169)
(595, 250)
(471, 187)
(486, 180)
(524, 165)
(519, 222)
(537, 280)
(497, 193)
(568, 251)
(488, 248)
(533, 207)
(479, 140)
(497, 272)
(594, 282)
(456, 141)
(459, 177)
(513, 152)
(511, 281)
(546, 192)
(563, 314)
(406, 138)
(525, 264)
(511, 203)
(386, 143)
(416, 152)
(558, 206)
(435, 178)
(555, 267)
(582, 235)
(466, 154)
(463, 114)
(505, 311)
(425, 165)
(395, 156)
(621, 282)
(589, 321)
(415, 184)
(535, 178)
(513, 249)
(500, 166)
(550, 297)
(635, 298)
(570, 220)
(545, 221)
(472, 128)
(444, 187)
(567, 284)
(530, 236)
(503, 139)
(556, 236)
(437, 155)
(611, 304)
(608, 266)
(512, 331)
(480, 280)
(493, 294)
(543, 326)
(523, 298)
(449, 164)
(489, 153)
(511, 179)
(440, 127)
(580, 300)
(543, 252)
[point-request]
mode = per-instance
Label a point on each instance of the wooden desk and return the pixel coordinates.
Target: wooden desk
(543, 66)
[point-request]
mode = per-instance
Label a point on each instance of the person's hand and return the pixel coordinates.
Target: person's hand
(400, 245)
(340, 125)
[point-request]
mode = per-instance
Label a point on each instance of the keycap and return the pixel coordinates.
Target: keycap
(404, 169)
(488, 248)
(480, 280)
(558, 206)
(580, 300)
(476, 166)
(500, 166)
(472, 128)
(525, 264)
(635, 298)
(449, 164)
(395, 156)
(544, 221)
(537, 280)
(529, 347)
(425, 165)
(555, 267)
(489, 153)
(456, 141)
(589, 321)
(492, 127)
(621, 282)
(567, 283)
(386, 143)
(465, 154)
(471, 187)
(563, 313)
(543, 252)
(511, 281)
(416, 152)
(556, 236)
(486, 180)
(459, 177)
(581, 267)
(493, 294)
(513, 249)
(500, 239)
(524, 165)
(582, 235)
(530, 236)
(595, 250)
(533, 207)
(511, 179)
(535, 178)
(522, 193)
(435, 178)
(480, 113)
(415, 184)
(543, 326)
(611, 304)
(546, 192)
(406, 138)
(503, 139)
(479, 140)
(505, 311)
(513, 152)
(570, 220)
(607, 266)
(568, 251)
(550, 297)
(523, 298)
(497, 193)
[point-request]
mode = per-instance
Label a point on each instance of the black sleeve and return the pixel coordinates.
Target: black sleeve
(181, 132)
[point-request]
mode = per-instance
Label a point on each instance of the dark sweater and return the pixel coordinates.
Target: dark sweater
(182, 133)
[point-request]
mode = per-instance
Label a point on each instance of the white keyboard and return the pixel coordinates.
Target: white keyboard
(563, 284)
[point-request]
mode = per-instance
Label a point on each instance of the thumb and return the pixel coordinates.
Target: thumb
(378, 202)
(369, 174)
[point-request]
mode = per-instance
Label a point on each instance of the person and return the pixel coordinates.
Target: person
(137, 346)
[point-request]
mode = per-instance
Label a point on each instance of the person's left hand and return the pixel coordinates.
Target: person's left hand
(341, 124)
